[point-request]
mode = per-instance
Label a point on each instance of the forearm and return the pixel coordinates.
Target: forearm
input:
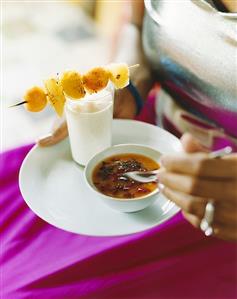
(130, 50)
(137, 12)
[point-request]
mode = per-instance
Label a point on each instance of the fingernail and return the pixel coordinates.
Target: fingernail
(44, 137)
(161, 187)
(159, 174)
(162, 161)
(44, 140)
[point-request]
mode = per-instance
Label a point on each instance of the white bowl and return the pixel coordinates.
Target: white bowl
(130, 204)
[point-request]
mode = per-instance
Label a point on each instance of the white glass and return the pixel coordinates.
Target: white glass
(89, 123)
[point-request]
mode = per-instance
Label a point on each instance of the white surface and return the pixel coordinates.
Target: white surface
(90, 125)
(130, 204)
(54, 187)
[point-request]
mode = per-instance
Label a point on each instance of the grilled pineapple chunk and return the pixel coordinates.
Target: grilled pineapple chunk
(35, 99)
(55, 95)
(119, 74)
(71, 82)
(96, 79)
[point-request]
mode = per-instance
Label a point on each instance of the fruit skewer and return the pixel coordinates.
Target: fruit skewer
(75, 86)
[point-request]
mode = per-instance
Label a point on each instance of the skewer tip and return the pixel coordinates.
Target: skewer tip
(134, 66)
(18, 104)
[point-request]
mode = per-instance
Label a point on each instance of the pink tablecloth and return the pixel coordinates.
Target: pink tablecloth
(40, 261)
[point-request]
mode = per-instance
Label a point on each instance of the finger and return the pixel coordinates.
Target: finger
(45, 140)
(215, 189)
(53, 138)
(201, 165)
(190, 204)
(194, 220)
(227, 233)
(224, 211)
(49, 141)
(191, 144)
(232, 157)
(221, 231)
(61, 132)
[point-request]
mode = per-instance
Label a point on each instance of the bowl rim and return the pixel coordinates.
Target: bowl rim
(92, 187)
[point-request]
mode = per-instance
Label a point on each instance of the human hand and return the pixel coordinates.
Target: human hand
(132, 53)
(193, 179)
(124, 101)
(59, 132)
(124, 104)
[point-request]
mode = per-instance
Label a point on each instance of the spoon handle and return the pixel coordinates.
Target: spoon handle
(151, 172)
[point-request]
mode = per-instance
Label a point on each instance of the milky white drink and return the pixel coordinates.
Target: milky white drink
(89, 123)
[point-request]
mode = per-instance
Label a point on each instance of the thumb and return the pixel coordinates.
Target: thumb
(191, 144)
(55, 137)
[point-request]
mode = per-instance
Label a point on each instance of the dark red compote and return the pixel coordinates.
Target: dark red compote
(109, 180)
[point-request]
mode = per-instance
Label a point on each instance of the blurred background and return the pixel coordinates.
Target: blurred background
(43, 38)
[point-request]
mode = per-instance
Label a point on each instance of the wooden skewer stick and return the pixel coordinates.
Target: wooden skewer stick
(18, 104)
(133, 66)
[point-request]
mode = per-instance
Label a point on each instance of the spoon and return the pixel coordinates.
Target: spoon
(151, 176)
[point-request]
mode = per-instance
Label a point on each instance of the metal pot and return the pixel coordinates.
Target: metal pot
(193, 50)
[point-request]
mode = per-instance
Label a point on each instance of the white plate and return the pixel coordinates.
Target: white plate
(54, 187)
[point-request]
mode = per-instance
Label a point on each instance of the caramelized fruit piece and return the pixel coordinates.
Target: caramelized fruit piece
(55, 95)
(119, 74)
(71, 81)
(96, 79)
(35, 99)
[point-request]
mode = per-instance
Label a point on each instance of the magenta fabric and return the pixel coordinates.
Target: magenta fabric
(39, 261)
